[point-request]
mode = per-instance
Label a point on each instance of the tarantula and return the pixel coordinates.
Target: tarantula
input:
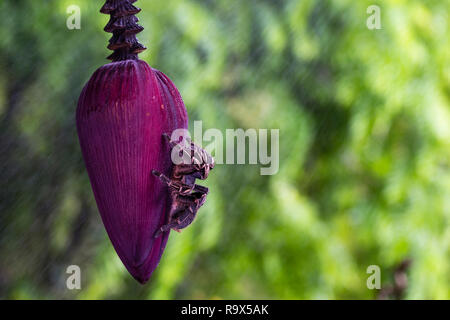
(187, 197)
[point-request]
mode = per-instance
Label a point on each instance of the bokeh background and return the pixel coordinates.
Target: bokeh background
(364, 121)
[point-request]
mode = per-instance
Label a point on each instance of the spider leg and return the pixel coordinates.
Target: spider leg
(165, 228)
(181, 218)
(177, 186)
(186, 146)
(162, 177)
(177, 221)
(189, 204)
(169, 140)
(184, 169)
(199, 192)
(173, 143)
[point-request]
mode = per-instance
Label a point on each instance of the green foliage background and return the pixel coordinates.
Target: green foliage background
(364, 121)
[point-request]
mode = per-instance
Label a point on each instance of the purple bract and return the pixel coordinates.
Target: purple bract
(122, 114)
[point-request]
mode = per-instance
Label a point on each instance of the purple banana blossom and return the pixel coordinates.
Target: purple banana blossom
(122, 114)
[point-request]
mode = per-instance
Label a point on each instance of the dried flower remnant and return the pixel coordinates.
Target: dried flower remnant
(123, 112)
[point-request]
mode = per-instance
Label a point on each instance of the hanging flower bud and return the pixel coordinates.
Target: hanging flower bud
(123, 112)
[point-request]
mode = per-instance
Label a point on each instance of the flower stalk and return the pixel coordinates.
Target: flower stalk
(123, 24)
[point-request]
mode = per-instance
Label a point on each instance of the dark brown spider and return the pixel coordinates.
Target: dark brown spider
(187, 197)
